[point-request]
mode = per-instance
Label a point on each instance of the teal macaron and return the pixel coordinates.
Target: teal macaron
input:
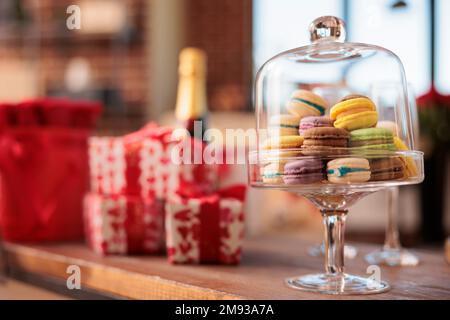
(372, 138)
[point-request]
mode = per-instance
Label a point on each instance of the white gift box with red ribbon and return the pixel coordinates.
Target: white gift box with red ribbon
(141, 164)
(123, 224)
(206, 229)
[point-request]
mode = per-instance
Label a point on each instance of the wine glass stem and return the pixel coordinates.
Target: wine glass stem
(334, 223)
(392, 241)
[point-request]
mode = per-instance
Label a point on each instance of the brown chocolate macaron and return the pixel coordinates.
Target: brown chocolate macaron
(325, 141)
(386, 169)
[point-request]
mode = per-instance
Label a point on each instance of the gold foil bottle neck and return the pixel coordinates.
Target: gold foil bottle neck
(192, 62)
(191, 98)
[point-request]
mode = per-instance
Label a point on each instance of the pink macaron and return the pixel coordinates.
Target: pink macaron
(314, 122)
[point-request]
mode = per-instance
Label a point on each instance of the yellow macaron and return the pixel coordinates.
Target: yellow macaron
(354, 112)
(304, 103)
(409, 163)
(283, 142)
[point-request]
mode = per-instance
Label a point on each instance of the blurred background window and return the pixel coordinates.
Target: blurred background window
(280, 25)
(106, 59)
(443, 46)
(126, 52)
(400, 26)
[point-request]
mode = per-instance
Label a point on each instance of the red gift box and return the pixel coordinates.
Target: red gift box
(206, 229)
(121, 224)
(140, 164)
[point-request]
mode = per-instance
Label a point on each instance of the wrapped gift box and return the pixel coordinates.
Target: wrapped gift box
(119, 224)
(206, 229)
(140, 164)
(43, 171)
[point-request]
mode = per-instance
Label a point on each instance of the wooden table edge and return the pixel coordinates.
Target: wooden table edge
(107, 279)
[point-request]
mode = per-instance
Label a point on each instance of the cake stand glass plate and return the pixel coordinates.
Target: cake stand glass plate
(317, 136)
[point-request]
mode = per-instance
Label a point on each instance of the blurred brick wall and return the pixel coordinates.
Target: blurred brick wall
(116, 62)
(223, 28)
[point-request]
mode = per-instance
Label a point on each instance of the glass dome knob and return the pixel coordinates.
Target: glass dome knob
(327, 28)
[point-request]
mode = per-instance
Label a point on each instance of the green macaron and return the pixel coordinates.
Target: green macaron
(372, 138)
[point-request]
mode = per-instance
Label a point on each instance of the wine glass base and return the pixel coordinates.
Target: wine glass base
(393, 258)
(350, 252)
(337, 284)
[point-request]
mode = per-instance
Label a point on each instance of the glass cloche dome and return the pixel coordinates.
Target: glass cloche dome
(333, 124)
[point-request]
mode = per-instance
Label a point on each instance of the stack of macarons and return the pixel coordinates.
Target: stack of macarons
(334, 146)
(284, 139)
(380, 139)
(278, 149)
(408, 163)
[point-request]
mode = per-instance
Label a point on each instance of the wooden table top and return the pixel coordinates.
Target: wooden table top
(266, 262)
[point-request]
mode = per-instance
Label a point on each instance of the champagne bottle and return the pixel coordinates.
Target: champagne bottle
(191, 107)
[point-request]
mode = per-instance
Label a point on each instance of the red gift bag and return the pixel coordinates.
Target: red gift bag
(44, 168)
(43, 177)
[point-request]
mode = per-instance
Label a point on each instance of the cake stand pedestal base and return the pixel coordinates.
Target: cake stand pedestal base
(334, 280)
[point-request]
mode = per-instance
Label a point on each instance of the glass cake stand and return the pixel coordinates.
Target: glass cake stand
(332, 78)
(334, 201)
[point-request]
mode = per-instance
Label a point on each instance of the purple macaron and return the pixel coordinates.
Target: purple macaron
(303, 171)
(314, 122)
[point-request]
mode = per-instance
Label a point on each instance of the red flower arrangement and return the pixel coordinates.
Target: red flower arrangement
(434, 117)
